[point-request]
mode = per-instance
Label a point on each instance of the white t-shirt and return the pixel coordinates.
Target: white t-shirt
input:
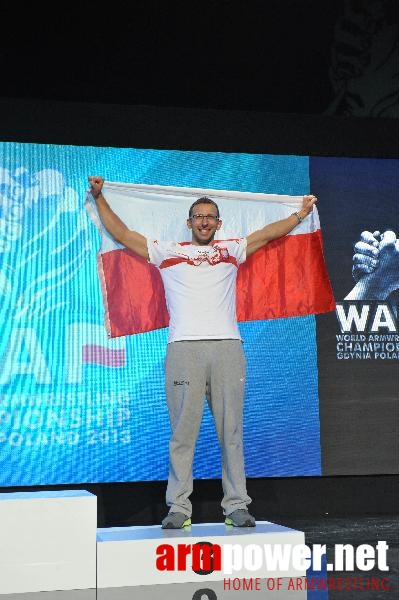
(200, 287)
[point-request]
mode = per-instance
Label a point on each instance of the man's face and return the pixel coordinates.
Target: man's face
(203, 224)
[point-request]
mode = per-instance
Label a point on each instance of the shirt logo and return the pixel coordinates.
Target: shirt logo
(212, 257)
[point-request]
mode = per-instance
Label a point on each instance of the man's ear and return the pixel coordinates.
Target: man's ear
(219, 224)
(189, 225)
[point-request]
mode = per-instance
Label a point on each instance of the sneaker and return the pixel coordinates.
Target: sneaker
(176, 520)
(240, 518)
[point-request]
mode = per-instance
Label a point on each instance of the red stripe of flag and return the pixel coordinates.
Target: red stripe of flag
(286, 278)
(134, 294)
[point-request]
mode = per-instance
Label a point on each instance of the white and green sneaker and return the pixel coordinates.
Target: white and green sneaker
(240, 518)
(176, 520)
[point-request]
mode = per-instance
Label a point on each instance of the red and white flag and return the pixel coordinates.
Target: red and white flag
(285, 278)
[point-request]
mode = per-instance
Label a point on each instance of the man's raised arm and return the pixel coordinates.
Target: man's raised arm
(278, 229)
(113, 224)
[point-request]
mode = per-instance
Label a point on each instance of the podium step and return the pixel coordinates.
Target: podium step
(48, 541)
(142, 556)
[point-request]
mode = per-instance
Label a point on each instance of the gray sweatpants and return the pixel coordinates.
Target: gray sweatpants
(214, 369)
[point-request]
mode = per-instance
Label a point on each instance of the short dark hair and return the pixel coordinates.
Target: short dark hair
(203, 200)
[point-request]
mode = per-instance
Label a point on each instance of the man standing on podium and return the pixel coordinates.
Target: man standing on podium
(204, 356)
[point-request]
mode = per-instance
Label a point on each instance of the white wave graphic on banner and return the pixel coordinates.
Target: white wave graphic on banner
(43, 240)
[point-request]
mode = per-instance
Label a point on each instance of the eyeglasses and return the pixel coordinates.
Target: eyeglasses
(210, 218)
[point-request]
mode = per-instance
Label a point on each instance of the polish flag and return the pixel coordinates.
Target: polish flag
(285, 278)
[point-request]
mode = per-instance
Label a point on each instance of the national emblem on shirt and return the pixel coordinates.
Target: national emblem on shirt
(202, 255)
(212, 256)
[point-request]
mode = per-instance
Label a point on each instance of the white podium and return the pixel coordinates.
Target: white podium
(126, 563)
(48, 542)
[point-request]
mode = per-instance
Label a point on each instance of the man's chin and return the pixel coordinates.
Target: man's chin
(203, 240)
